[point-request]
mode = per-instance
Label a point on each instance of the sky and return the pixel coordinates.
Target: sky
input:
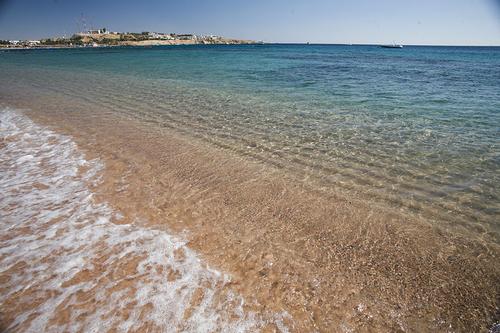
(426, 22)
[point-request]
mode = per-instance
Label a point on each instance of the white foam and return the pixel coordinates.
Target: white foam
(42, 189)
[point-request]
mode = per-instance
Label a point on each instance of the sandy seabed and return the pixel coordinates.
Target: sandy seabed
(262, 250)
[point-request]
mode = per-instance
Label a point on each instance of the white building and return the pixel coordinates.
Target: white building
(97, 31)
(159, 35)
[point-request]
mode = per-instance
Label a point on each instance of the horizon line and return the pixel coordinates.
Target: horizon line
(379, 44)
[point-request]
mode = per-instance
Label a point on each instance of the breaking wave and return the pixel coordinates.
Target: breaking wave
(68, 265)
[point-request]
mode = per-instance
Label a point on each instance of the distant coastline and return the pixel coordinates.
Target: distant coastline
(104, 38)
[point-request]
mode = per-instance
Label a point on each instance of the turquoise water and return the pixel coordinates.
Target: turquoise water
(416, 128)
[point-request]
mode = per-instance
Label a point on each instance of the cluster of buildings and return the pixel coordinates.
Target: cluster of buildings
(165, 36)
(146, 35)
(19, 43)
(103, 37)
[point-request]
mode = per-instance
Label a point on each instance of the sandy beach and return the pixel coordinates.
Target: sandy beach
(329, 260)
(319, 166)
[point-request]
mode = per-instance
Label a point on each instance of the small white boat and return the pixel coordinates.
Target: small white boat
(393, 46)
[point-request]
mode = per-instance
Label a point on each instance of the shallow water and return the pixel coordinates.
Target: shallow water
(415, 128)
(68, 263)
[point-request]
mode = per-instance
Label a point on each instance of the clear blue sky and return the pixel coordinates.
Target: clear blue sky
(455, 22)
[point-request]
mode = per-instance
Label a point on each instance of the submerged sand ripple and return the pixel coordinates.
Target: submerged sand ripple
(66, 267)
(331, 260)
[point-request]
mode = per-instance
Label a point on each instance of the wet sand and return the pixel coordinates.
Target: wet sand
(333, 262)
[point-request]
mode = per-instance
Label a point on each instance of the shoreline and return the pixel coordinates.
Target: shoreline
(326, 260)
(245, 43)
(101, 264)
(132, 43)
(55, 47)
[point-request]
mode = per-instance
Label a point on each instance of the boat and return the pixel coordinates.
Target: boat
(392, 46)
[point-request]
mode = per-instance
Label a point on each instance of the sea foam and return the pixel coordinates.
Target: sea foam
(66, 267)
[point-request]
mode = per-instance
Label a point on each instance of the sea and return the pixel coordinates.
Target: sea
(415, 129)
